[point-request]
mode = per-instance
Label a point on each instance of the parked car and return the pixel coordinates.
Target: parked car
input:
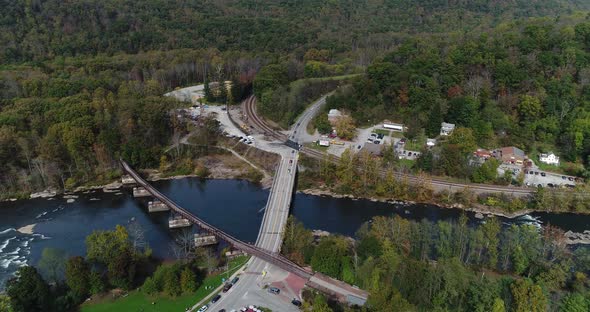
(216, 298)
(235, 280)
(536, 173)
(274, 290)
(227, 287)
(203, 308)
(296, 302)
(543, 174)
(570, 178)
(564, 177)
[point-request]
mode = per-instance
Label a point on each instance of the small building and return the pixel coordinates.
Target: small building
(511, 155)
(549, 158)
(324, 142)
(482, 153)
(393, 126)
(430, 142)
(446, 128)
(334, 115)
(373, 149)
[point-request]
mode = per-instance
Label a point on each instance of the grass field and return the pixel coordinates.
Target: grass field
(382, 131)
(138, 301)
(317, 147)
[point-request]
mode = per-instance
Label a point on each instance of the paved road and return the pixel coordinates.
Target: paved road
(259, 273)
(299, 130)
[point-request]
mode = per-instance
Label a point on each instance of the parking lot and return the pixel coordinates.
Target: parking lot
(535, 177)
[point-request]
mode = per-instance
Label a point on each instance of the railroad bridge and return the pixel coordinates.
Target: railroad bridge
(316, 280)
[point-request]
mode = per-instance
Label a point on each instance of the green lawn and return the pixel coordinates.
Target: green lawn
(406, 163)
(317, 147)
(414, 145)
(382, 131)
(397, 134)
(138, 301)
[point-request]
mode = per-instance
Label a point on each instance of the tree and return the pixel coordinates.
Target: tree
(320, 304)
(464, 140)
(327, 256)
(345, 128)
(78, 277)
(498, 305)
(28, 291)
(188, 280)
(52, 264)
(463, 111)
(149, 286)
(574, 303)
(5, 305)
(529, 108)
(96, 283)
(207, 90)
(487, 172)
(528, 297)
(171, 283)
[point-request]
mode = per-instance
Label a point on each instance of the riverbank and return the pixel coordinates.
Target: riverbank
(480, 210)
(218, 170)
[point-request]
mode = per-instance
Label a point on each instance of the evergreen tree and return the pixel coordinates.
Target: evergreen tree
(207, 90)
(222, 91)
(188, 280)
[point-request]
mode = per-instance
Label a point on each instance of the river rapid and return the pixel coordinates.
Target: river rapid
(235, 206)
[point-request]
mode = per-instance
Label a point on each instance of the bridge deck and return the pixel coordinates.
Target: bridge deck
(317, 280)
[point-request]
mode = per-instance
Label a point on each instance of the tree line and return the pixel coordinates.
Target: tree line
(40, 30)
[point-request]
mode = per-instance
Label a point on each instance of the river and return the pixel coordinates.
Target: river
(235, 206)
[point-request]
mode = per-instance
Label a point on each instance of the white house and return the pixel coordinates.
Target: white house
(549, 158)
(446, 128)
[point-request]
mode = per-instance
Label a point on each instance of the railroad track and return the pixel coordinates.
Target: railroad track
(258, 123)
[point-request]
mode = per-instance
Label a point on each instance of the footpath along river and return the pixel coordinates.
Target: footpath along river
(233, 205)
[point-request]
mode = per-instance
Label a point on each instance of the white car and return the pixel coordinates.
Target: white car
(203, 308)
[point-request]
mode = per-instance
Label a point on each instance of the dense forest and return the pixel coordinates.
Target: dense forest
(524, 84)
(39, 30)
(67, 123)
(450, 266)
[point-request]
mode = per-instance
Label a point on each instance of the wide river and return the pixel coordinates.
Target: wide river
(232, 205)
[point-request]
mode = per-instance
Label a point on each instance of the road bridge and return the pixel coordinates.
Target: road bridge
(269, 238)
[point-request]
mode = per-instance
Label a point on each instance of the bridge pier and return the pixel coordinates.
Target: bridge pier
(178, 222)
(157, 206)
(140, 192)
(205, 240)
(127, 180)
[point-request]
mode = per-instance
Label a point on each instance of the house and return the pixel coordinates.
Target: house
(334, 115)
(373, 149)
(482, 153)
(393, 126)
(549, 158)
(430, 142)
(446, 128)
(511, 155)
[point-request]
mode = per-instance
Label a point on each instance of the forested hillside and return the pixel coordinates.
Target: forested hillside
(37, 30)
(66, 123)
(524, 84)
